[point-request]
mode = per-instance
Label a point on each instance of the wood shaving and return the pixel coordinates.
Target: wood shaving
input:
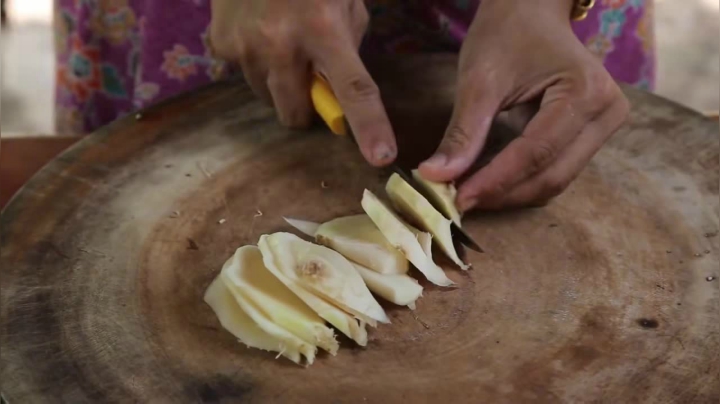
(175, 214)
(258, 213)
(424, 324)
(221, 221)
(204, 170)
(88, 251)
(57, 251)
(324, 185)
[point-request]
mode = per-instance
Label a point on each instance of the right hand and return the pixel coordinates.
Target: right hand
(279, 43)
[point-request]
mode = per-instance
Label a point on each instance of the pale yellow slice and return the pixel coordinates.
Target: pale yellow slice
(401, 237)
(306, 227)
(402, 289)
(255, 282)
(413, 205)
(424, 238)
(238, 323)
(324, 272)
(289, 339)
(359, 240)
(442, 194)
(341, 320)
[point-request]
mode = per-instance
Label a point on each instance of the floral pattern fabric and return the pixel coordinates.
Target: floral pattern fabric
(117, 56)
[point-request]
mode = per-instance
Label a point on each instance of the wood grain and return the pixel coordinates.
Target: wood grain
(602, 296)
(23, 156)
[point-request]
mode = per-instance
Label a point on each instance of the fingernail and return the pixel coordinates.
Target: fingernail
(383, 152)
(467, 204)
(438, 160)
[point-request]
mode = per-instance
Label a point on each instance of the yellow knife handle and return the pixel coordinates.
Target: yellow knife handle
(327, 106)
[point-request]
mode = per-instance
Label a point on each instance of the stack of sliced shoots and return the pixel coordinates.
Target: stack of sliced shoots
(284, 294)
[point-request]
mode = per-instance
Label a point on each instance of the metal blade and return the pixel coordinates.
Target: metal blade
(456, 231)
(464, 238)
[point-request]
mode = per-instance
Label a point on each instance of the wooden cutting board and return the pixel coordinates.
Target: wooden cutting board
(609, 294)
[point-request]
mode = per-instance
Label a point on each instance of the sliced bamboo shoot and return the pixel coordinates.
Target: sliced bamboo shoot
(289, 339)
(255, 282)
(402, 290)
(424, 238)
(401, 237)
(304, 226)
(344, 322)
(359, 240)
(443, 195)
(412, 204)
(322, 271)
(238, 323)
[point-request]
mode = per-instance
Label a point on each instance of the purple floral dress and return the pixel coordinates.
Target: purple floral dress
(117, 56)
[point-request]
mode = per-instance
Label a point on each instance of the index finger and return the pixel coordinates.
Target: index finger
(360, 99)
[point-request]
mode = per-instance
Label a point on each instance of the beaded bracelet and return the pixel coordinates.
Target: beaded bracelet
(580, 9)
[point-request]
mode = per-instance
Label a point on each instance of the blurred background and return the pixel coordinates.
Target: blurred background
(687, 36)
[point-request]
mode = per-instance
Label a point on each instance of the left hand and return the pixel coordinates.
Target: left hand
(519, 51)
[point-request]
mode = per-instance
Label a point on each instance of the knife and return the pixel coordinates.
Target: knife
(329, 109)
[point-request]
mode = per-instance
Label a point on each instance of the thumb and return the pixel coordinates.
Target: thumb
(465, 135)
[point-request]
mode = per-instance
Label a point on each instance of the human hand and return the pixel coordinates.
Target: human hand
(516, 52)
(279, 43)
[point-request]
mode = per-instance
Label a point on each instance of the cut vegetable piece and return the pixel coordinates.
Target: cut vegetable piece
(424, 238)
(322, 271)
(443, 196)
(359, 240)
(238, 323)
(412, 204)
(256, 283)
(402, 290)
(289, 339)
(401, 237)
(305, 227)
(341, 320)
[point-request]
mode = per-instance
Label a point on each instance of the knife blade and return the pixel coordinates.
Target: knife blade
(456, 231)
(329, 109)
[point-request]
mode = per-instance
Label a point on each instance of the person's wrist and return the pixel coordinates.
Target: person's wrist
(557, 8)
